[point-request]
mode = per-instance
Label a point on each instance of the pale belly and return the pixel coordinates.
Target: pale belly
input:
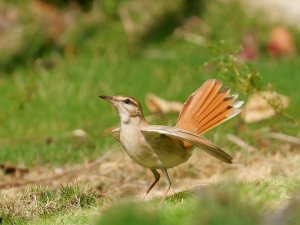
(154, 153)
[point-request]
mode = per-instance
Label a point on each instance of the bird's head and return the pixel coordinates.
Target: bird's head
(127, 107)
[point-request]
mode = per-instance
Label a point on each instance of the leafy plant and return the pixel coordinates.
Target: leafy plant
(243, 77)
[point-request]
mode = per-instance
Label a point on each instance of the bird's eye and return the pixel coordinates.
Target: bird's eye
(127, 101)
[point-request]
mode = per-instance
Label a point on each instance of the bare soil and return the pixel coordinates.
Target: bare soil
(115, 174)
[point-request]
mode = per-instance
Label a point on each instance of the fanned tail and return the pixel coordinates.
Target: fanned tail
(208, 107)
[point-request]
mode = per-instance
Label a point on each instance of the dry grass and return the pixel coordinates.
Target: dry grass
(115, 174)
(43, 201)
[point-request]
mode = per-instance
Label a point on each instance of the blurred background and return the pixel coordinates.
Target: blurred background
(56, 151)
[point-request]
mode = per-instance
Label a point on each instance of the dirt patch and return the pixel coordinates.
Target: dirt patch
(115, 174)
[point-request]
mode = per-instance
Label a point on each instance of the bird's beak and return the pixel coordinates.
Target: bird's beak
(107, 98)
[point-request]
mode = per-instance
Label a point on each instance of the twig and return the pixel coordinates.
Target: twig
(127, 22)
(284, 137)
(242, 144)
(46, 180)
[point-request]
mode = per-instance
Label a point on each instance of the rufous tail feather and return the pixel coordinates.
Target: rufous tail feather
(208, 107)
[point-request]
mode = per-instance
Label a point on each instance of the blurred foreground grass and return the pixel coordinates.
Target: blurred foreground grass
(227, 203)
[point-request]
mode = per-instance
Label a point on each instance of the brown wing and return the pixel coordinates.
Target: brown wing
(189, 137)
(116, 133)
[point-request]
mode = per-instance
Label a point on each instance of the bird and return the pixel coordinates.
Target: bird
(159, 147)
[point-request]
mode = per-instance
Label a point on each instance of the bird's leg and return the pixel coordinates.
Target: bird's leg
(157, 176)
(165, 172)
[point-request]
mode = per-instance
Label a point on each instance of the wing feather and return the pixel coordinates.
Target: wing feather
(116, 133)
(207, 107)
(186, 136)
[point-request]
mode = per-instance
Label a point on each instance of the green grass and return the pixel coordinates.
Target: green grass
(76, 217)
(44, 202)
(231, 202)
(65, 97)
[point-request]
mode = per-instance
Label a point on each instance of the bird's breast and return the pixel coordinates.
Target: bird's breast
(138, 149)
